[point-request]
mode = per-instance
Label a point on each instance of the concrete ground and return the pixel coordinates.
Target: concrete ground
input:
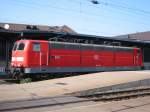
(68, 85)
(132, 105)
(141, 104)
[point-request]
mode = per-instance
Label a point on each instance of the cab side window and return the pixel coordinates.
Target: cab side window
(36, 47)
(21, 46)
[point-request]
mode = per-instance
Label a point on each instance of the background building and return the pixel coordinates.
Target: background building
(144, 36)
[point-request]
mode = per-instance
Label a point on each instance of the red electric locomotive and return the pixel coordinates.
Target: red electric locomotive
(30, 57)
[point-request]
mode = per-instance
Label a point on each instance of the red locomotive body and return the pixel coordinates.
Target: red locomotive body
(38, 56)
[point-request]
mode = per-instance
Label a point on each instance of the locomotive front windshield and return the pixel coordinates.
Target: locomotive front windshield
(19, 46)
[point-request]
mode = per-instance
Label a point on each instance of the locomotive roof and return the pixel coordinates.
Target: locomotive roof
(95, 45)
(83, 44)
(27, 34)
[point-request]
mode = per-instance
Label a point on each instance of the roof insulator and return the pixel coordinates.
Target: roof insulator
(35, 28)
(28, 27)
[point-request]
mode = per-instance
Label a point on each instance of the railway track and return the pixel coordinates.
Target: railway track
(118, 94)
(67, 99)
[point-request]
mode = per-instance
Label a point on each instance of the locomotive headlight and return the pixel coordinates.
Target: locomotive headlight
(13, 59)
(17, 59)
(20, 59)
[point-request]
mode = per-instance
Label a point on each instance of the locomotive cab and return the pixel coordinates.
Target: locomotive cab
(18, 54)
(27, 54)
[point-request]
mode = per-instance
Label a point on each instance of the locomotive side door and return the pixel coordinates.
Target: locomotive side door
(39, 54)
(135, 57)
(44, 54)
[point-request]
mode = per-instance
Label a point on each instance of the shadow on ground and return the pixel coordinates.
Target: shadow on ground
(5, 79)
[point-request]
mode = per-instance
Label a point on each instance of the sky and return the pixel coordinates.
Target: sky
(108, 18)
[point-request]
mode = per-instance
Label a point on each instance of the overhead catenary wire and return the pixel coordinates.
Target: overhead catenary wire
(79, 11)
(120, 9)
(122, 6)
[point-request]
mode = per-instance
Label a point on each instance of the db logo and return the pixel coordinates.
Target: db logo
(96, 57)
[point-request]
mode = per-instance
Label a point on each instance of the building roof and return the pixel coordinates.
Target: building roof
(20, 27)
(145, 36)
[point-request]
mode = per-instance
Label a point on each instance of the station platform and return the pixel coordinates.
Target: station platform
(75, 84)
